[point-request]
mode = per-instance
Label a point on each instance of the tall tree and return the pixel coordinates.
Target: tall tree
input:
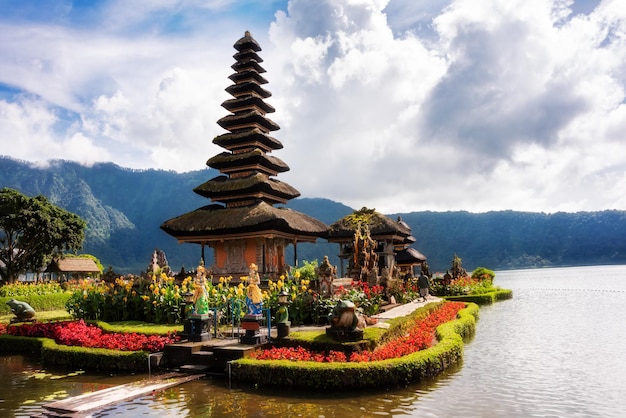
(32, 230)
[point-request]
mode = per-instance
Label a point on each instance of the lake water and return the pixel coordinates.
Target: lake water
(557, 349)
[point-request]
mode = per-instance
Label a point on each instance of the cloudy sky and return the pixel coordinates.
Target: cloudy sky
(397, 105)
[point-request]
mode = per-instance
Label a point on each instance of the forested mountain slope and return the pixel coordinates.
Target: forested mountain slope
(124, 208)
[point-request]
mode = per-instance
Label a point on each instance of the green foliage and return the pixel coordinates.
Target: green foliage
(32, 230)
(19, 289)
(484, 274)
(71, 357)
(155, 301)
(486, 298)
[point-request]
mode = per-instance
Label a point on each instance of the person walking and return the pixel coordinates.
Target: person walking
(422, 283)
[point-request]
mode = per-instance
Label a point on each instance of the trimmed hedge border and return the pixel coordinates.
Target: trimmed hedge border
(483, 299)
(397, 372)
(51, 353)
(49, 302)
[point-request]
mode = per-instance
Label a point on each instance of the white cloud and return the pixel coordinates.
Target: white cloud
(398, 105)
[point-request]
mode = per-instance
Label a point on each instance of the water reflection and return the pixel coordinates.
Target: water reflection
(555, 349)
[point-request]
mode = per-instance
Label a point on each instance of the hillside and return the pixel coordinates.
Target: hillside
(124, 208)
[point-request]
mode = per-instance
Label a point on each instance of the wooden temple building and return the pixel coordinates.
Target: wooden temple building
(371, 243)
(243, 225)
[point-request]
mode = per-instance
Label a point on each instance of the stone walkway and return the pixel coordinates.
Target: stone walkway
(405, 309)
(395, 312)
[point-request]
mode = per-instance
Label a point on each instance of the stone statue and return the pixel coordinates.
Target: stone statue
(344, 322)
(22, 310)
(326, 273)
(343, 316)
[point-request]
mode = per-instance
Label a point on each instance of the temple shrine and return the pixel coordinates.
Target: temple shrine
(243, 226)
(373, 247)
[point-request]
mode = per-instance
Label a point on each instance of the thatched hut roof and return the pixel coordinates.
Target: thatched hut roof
(215, 222)
(409, 256)
(73, 265)
(380, 227)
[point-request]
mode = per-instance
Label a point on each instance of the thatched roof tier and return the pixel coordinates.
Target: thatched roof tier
(256, 159)
(248, 120)
(247, 43)
(247, 139)
(215, 222)
(247, 88)
(247, 65)
(409, 256)
(223, 189)
(247, 55)
(380, 227)
(248, 76)
(249, 102)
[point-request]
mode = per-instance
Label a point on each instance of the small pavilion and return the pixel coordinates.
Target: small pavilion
(243, 226)
(389, 247)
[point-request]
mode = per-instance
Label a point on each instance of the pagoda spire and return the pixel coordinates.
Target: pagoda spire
(246, 169)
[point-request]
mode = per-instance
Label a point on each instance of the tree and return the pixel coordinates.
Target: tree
(32, 230)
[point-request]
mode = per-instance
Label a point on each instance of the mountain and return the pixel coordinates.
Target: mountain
(124, 209)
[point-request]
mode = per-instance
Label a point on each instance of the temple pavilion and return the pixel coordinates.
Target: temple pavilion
(243, 225)
(371, 240)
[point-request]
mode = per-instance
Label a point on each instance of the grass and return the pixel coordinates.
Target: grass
(56, 315)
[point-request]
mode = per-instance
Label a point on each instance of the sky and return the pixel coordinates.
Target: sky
(397, 105)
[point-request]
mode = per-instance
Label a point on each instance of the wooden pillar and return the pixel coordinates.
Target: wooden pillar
(263, 257)
(295, 253)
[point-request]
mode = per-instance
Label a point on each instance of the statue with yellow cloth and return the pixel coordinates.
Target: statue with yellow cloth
(200, 297)
(254, 297)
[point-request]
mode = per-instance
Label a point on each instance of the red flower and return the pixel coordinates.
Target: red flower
(420, 336)
(78, 333)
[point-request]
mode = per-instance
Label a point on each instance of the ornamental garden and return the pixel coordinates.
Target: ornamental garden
(93, 324)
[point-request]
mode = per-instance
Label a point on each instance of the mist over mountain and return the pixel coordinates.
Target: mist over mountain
(124, 208)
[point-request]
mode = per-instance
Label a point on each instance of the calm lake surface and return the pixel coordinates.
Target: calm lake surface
(557, 349)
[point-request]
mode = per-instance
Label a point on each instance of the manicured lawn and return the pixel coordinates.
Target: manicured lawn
(41, 316)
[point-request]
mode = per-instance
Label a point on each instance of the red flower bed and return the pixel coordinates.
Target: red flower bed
(78, 333)
(418, 337)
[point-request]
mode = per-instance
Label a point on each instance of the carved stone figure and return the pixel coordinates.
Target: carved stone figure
(343, 322)
(22, 310)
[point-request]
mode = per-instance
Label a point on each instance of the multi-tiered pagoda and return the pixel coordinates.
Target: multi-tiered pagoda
(243, 226)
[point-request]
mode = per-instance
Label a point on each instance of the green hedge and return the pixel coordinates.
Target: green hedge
(51, 353)
(387, 373)
(49, 302)
(485, 298)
